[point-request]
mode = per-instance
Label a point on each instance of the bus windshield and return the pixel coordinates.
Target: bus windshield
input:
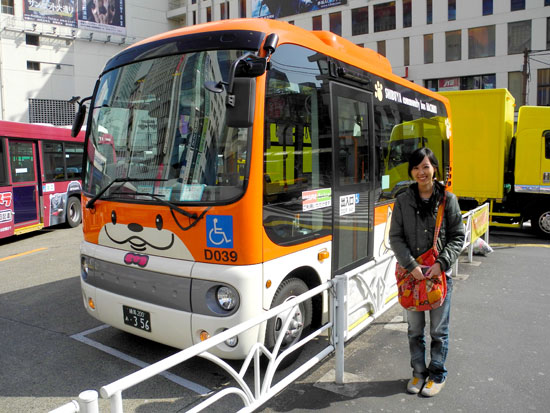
(155, 120)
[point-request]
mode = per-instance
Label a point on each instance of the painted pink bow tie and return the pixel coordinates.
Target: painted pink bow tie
(138, 259)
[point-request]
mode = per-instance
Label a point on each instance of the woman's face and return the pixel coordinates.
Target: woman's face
(423, 173)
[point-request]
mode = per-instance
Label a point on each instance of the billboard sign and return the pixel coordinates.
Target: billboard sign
(274, 9)
(50, 11)
(102, 15)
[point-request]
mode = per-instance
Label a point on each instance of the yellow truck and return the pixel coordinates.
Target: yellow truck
(491, 164)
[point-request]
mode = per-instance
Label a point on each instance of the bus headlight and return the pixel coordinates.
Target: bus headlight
(227, 298)
(231, 342)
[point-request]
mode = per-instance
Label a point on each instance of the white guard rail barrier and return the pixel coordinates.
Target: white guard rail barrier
(467, 218)
(349, 316)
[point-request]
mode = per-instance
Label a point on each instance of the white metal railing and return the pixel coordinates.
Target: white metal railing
(252, 397)
(467, 219)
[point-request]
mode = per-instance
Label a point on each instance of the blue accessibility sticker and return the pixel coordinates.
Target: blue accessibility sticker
(219, 231)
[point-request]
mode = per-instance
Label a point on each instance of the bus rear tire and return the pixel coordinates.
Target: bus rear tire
(540, 222)
(74, 212)
(300, 324)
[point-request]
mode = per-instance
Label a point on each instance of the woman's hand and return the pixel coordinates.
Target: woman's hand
(417, 273)
(433, 271)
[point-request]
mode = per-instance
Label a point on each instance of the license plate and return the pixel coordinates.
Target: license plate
(137, 318)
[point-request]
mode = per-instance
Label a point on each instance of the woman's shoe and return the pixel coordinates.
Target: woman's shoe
(432, 388)
(415, 385)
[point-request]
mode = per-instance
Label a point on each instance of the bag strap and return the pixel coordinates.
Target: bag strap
(439, 220)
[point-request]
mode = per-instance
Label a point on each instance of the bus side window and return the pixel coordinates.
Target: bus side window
(54, 166)
(3, 163)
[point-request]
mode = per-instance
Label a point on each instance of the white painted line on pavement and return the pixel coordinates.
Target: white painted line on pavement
(195, 387)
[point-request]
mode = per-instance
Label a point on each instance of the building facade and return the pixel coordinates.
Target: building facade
(441, 44)
(52, 50)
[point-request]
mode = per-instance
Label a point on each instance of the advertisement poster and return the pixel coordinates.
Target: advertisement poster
(60, 12)
(274, 9)
(102, 15)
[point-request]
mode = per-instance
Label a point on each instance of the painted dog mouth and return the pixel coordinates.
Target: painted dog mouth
(140, 244)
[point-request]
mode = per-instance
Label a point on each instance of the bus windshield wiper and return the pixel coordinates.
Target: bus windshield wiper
(91, 202)
(196, 218)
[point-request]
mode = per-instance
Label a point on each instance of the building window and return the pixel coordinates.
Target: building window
(242, 8)
(55, 112)
(224, 10)
(407, 13)
(32, 39)
(384, 16)
(209, 14)
(543, 87)
(548, 33)
(428, 48)
(194, 17)
(359, 21)
(317, 22)
(517, 5)
(429, 11)
(7, 7)
(335, 20)
(33, 65)
(453, 46)
(451, 10)
(487, 7)
(406, 52)
(547, 2)
(481, 42)
(381, 47)
(519, 36)
(515, 86)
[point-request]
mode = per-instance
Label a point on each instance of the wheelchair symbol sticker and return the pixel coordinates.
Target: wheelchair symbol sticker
(219, 231)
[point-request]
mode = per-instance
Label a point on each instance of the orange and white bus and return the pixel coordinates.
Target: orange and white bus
(40, 170)
(245, 163)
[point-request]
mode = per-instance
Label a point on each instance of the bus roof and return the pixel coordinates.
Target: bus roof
(37, 131)
(321, 41)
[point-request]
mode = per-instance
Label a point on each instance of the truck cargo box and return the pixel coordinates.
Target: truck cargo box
(482, 129)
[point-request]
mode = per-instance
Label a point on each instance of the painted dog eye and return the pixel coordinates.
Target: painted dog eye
(113, 217)
(158, 221)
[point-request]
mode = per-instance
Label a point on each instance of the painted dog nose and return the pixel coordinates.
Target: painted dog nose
(135, 227)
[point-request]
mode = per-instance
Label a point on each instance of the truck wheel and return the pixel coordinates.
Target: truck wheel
(540, 222)
(73, 212)
(301, 319)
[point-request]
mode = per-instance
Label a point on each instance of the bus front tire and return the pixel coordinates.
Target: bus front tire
(74, 212)
(300, 323)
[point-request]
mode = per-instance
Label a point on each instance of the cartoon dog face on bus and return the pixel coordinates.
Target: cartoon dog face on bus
(143, 239)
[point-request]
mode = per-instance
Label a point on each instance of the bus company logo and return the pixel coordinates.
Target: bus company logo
(6, 199)
(219, 231)
(378, 88)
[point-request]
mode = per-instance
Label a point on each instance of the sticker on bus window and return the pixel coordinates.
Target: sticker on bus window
(192, 192)
(316, 199)
(385, 181)
(219, 231)
(347, 204)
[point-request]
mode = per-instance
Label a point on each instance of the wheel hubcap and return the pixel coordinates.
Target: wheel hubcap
(544, 222)
(292, 334)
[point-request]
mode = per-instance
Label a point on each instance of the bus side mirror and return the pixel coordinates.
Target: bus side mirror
(78, 120)
(240, 104)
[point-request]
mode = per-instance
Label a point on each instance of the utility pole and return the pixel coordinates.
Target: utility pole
(525, 75)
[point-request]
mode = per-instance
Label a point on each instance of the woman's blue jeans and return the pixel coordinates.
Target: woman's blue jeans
(439, 332)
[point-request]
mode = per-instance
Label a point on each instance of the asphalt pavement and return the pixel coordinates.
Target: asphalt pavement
(498, 361)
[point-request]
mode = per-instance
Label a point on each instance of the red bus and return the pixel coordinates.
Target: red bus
(40, 177)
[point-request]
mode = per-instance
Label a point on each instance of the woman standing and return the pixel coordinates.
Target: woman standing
(411, 234)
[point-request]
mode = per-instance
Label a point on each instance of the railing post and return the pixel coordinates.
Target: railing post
(116, 402)
(88, 401)
(340, 327)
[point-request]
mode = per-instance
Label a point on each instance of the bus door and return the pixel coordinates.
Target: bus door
(23, 168)
(353, 163)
